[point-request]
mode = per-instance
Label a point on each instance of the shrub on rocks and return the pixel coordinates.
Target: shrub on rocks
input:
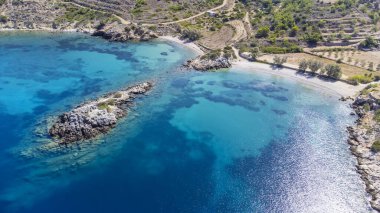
(190, 35)
(376, 146)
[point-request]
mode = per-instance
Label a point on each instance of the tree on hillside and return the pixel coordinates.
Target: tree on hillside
(303, 65)
(312, 37)
(255, 52)
(369, 42)
(190, 35)
(333, 70)
(262, 32)
(315, 65)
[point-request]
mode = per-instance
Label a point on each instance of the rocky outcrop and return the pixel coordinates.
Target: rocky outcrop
(95, 117)
(247, 56)
(29, 15)
(55, 16)
(202, 63)
(362, 138)
(121, 32)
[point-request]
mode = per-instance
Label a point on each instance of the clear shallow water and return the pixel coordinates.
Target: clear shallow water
(200, 142)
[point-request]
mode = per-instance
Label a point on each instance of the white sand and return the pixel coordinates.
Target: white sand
(335, 87)
(189, 45)
(332, 87)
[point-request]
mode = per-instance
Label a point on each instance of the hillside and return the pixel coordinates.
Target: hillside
(344, 32)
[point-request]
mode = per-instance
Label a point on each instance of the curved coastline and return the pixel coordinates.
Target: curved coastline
(338, 88)
(284, 72)
(334, 87)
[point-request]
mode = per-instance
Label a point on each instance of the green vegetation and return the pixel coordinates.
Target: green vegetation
(117, 95)
(3, 19)
(262, 32)
(333, 70)
(315, 65)
(190, 35)
(84, 15)
(312, 37)
(362, 79)
(273, 49)
(106, 104)
(376, 116)
(279, 61)
(140, 3)
(303, 65)
(176, 7)
(376, 146)
(369, 42)
(212, 55)
(366, 107)
(228, 52)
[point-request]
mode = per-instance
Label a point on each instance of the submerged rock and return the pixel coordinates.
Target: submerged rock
(95, 117)
(204, 64)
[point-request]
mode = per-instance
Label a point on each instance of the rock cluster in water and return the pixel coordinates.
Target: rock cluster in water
(95, 117)
(362, 138)
(204, 64)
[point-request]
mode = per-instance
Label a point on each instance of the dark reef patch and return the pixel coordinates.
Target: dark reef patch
(180, 82)
(279, 112)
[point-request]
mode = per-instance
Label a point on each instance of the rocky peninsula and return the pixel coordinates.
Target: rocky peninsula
(205, 64)
(364, 140)
(96, 117)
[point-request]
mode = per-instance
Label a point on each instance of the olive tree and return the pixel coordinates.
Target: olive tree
(303, 65)
(279, 61)
(315, 65)
(333, 70)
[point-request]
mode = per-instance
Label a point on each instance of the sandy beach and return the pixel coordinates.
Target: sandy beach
(339, 88)
(189, 45)
(336, 87)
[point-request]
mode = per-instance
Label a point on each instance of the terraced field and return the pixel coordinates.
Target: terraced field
(151, 11)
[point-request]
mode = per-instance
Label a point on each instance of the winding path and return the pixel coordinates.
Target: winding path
(122, 20)
(225, 2)
(229, 3)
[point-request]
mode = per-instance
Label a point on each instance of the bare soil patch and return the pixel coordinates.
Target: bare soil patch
(218, 39)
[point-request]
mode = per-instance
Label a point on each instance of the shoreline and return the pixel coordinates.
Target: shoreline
(189, 45)
(49, 30)
(339, 88)
(336, 87)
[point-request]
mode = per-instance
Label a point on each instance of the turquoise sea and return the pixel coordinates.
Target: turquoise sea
(230, 141)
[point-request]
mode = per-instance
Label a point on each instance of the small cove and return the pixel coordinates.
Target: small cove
(199, 142)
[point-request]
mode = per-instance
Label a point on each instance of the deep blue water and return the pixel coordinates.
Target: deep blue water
(235, 141)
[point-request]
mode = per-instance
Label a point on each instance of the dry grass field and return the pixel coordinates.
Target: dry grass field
(295, 58)
(217, 39)
(150, 11)
(364, 59)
